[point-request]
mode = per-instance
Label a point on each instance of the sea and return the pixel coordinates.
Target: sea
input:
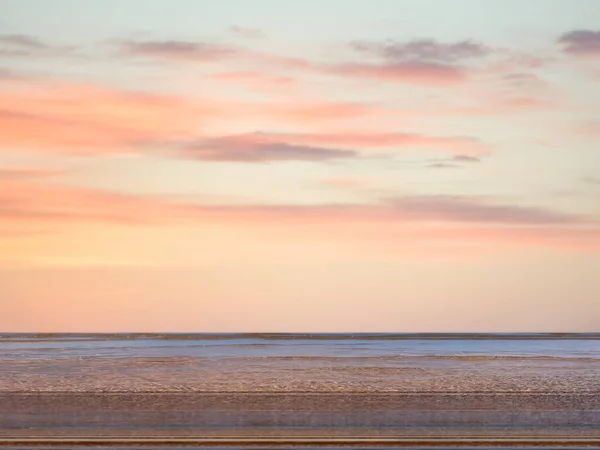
(300, 362)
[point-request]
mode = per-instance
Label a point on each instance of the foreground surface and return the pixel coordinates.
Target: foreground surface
(300, 391)
(299, 416)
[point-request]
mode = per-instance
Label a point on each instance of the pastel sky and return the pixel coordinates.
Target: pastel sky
(279, 165)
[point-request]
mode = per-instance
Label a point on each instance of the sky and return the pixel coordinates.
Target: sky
(300, 166)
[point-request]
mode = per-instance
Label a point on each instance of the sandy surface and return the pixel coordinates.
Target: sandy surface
(299, 414)
(180, 374)
(257, 389)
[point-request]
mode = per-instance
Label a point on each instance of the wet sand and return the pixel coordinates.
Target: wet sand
(245, 415)
(300, 374)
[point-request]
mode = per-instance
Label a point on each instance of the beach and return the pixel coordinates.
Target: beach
(255, 386)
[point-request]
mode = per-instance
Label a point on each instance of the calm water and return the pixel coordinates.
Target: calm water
(299, 362)
(539, 346)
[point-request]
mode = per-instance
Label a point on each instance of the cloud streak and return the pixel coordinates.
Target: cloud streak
(21, 45)
(421, 62)
(379, 140)
(423, 50)
(66, 117)
(425, 61)
(241, 149)
(465, 209)
(176, 50)
(581, 43)
(65, 200)
(417, 222)
(427, 73)
(90, 119)
(457, 161)
(263, 147)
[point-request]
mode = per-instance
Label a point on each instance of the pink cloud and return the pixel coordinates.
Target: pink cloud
(372, 139)
(420, 223)
(423, 61)
(452, 144)
(424, 50)
(241, 149)
(410, 72)
(507, 105)
(468, 240)
(581, 43)
(406, 71)
(88, 119)
(36, 199)
(586, 130)
(80, 118)
(465, 209)
(192, 51)
(22, 200)
(592, 129)
(434, 209)
(261, 147)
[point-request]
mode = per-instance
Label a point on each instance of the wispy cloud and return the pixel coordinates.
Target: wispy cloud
(466, 158)
(524, 80)
(582, 43)
(22, 200)
(466, 209)
(455, 162)
(497, 105)
(178, 50)
(416, 208)
(427, 73)
(7, 74)
(251, 148)
(443, 165)
(424, 50)
(82, 118)
(585, 129)
(245, 32)
(29, 46)
(389, 140)
(262, 146)
(424, 70)
(22, 41)
(50, 115)
(20, 197)
(427, 220)
(423, 61)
